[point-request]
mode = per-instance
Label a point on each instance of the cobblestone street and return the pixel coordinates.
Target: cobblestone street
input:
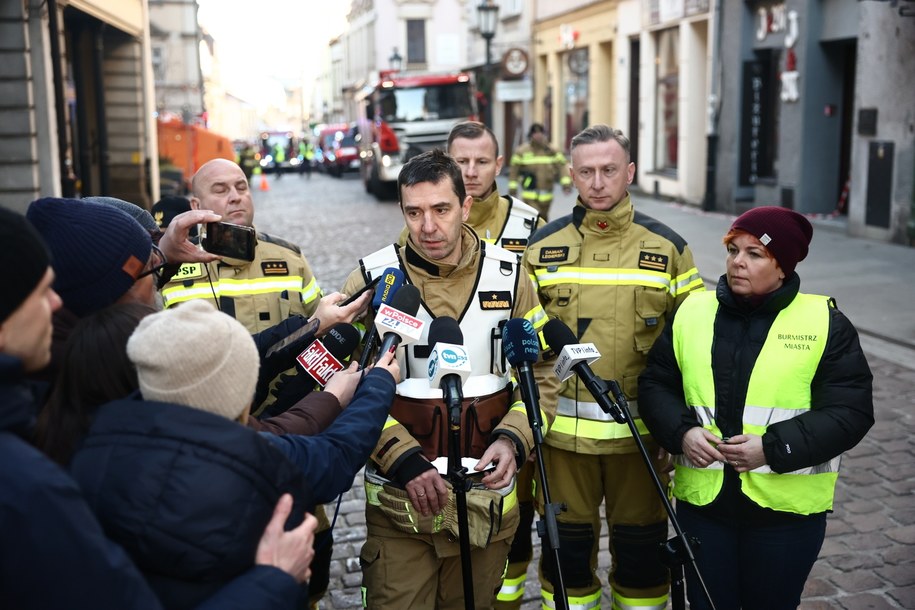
(868, 558)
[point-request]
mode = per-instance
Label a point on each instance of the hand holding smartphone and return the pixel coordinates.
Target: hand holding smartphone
(227, 239)
(359, 292)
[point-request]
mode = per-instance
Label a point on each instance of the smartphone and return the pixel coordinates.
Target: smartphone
(359, 292)
(226, 239)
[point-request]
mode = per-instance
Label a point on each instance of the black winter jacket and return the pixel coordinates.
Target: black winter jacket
(842, 407)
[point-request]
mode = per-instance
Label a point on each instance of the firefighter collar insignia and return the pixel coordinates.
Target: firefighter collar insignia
(652, 262)
(602, 225)
(496, 299)
(554, 255)
(274, 268)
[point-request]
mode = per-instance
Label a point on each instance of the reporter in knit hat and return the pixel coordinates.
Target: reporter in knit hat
(133, 210)
(785, 233)
(23, 258)
(98, 251)
(196, 356)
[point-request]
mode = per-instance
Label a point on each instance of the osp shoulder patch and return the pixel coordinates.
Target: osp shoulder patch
(189, 271)
(274, 268)
(653, 262)
(555, 254)
(495, 299)
(514, 245)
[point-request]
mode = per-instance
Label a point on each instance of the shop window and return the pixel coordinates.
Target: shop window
(416, 41)
(667, 64)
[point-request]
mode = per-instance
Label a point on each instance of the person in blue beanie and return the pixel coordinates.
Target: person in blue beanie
(53, 552)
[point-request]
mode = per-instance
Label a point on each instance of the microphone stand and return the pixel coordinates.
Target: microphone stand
(460, 483)
(547, 526)
(678, 550)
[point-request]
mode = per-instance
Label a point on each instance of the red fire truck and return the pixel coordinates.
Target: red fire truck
(404, 114)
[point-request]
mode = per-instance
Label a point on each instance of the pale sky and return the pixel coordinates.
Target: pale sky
(262, 43)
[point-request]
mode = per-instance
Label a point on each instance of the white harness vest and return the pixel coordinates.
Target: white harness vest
(491, 303)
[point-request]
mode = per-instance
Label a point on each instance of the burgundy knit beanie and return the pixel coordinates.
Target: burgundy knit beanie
(784, 233)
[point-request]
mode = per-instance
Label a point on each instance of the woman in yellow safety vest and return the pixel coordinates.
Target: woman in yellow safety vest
(756, 389)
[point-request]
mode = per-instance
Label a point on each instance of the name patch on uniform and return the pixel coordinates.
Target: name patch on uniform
(559, 253)
(189, 271)
(497, 299)
(653, 262)
(515, 245)
(274, 268)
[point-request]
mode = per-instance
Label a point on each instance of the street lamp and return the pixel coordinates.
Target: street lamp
(395, 61)
(487, 19)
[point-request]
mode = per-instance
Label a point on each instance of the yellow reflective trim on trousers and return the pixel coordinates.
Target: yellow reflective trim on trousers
(512, 589)
(595, 430)
(227, 287)
(638, 603)
(596, 276)
(528, 195)
(583, 602)
(544, 197)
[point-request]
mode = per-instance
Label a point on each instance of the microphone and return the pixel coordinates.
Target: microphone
(322, 359)
(522, 348)
(449, 365)
(396, 322)
(577, 357)
(391, 280)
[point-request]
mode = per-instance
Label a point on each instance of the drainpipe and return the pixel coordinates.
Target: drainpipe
(98, 63)
(67, 182)
(714, 112)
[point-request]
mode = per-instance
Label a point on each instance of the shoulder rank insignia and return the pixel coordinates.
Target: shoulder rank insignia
(555, 254)
(514, 245)
(274, 268)
(496, 299)
(652, 262)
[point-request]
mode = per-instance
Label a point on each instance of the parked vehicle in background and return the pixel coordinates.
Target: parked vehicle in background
(327, 136)
(272, 142)
(404, 114)
(345, 151)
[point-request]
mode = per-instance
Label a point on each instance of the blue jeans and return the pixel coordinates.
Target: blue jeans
(750, 567)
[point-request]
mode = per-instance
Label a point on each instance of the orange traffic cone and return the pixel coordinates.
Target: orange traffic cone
(264, 185)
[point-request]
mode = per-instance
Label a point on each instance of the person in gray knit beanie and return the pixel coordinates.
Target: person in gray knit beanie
(196, 356)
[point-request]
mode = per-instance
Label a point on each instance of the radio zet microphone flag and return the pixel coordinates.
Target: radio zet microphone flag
(321, 360)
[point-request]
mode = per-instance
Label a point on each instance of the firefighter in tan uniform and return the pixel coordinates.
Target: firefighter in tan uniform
(534, 167)
(614, 276)
(506, 221)
(411, 558)
(277, 284)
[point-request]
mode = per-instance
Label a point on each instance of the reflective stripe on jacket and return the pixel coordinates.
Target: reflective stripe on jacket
(779, 389)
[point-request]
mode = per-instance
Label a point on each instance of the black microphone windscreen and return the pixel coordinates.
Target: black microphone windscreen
(445, 329)
(406, 299)
(391, 282)
(519, 342)
(557, 335)
(341, 340)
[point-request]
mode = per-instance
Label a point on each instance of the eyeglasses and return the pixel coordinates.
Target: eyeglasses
(155, 264)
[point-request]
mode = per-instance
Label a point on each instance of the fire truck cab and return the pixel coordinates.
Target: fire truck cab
(404, 114)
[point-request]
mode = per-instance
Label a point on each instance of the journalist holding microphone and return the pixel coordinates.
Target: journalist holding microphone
(757, 389)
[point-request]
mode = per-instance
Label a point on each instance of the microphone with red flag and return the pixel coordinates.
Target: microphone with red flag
(322, 359)
(397, 322)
